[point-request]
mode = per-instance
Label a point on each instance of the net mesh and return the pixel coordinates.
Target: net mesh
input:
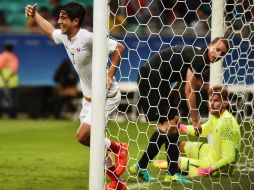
(148, 26)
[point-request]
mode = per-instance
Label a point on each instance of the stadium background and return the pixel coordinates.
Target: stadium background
(40, 57)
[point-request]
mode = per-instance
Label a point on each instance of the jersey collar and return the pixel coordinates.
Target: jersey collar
(77, 34)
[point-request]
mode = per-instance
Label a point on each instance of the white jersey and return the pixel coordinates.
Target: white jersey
(79, 50)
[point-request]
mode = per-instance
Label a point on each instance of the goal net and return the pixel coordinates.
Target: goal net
(147, 26)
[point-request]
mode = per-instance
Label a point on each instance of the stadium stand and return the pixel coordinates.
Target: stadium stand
(14, 9)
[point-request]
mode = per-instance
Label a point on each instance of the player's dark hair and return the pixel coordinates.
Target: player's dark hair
(218, 89)
(74, 10)
(8, 47)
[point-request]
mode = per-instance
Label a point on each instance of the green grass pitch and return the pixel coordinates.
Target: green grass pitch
(44, 155)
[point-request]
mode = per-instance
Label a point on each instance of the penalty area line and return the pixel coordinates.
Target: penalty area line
(247, 170)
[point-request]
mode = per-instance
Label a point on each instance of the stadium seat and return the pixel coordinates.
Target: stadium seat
(85, 2)
(17, 19)
(14, 8)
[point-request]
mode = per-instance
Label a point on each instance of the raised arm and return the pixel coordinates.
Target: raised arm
(43, 24)
(191, 97)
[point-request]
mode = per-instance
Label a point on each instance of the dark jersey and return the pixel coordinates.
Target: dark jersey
(172, 63)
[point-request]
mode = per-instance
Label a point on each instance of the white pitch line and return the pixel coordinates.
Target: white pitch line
(140, 185)
(143, 184)
(247, 170)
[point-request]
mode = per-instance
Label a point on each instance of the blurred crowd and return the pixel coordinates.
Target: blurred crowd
(13, 19)
(172, 17)
(176, 17)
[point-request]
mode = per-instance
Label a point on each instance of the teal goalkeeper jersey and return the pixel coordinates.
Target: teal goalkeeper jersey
(226, 136)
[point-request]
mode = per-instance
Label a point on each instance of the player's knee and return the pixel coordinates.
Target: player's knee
(168, 128)
(181, 146)
(83, 137)
(78, 136)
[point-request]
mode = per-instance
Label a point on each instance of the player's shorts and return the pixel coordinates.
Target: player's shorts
(197, 155)
(111, 104)
(155, 98)
(196, 150)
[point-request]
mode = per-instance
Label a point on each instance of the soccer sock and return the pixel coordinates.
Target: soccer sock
(113, 146)
(110, 169)
(155, 143)
(107, 143)
(172, 153)
(111, 173)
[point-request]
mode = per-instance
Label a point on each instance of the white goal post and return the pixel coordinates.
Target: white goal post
(217, 30)
(97, 142)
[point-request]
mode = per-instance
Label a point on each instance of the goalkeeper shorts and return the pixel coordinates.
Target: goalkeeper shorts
(196, 150)
(197, 155)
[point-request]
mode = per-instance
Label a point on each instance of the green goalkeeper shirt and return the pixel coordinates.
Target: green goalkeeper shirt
(226, 139)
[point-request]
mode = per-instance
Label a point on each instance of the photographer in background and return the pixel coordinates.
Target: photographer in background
(66, 80)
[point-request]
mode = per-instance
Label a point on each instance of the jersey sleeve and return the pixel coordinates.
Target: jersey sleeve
(230, 131)
(230, 139)
(56, 35)
(228, 155)
(190, 130)
(205, 128)
(111, 45)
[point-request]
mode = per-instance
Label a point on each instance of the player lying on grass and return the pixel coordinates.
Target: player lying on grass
(78, 43)
(204, 159)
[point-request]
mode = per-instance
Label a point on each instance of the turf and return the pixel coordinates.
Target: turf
(41, 155)
(44, 155)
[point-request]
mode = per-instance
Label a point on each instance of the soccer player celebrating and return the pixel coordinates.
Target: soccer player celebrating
(178, 64)
(78, 43)
(205, 159)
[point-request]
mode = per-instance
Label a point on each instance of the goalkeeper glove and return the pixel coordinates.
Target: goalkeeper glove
(182, 128)
(205, 171)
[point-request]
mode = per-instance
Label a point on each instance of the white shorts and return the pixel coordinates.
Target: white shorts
(111, 105)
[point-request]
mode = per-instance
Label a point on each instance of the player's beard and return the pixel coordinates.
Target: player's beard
(215, 112)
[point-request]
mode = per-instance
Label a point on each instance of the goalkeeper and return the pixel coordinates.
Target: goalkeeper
(205, 159)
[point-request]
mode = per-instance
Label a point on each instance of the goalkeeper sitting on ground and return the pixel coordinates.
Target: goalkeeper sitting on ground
(204, 159)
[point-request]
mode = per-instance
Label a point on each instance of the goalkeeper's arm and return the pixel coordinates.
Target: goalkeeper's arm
(189, 129)
(228, 155)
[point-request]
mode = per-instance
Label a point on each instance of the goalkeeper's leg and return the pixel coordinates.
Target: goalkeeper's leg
(196, 156)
